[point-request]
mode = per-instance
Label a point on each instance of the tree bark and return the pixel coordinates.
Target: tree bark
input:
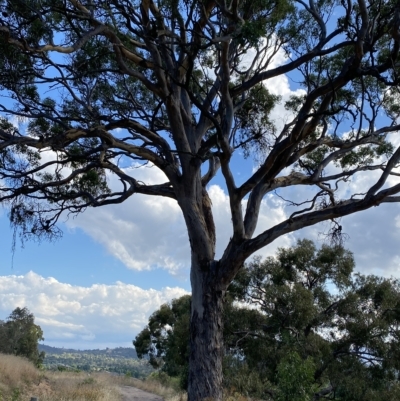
(206, 333)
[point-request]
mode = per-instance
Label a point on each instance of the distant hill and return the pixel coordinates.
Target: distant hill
(123, 352)
(119, 360)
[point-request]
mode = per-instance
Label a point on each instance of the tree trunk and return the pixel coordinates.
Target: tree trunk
(206, 333)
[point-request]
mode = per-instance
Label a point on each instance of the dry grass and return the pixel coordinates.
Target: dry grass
(16, 376)
(169, 393)
(20, 380)
(70, 386)
(152, 386)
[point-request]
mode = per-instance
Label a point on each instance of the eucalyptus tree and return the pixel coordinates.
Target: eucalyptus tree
(328, 332)
(19, 335)
(182, 85)
(314, 330)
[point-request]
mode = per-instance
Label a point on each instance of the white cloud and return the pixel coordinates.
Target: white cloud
(373, 236)
(271, 212)
(18, 122)
(278, 85)
(83, 316)
(149, 232)
(144, 232)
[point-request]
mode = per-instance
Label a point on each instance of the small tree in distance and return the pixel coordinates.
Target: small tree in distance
(20, 336)
(108, 83)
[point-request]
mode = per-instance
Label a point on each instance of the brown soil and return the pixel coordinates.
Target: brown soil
(134, 394)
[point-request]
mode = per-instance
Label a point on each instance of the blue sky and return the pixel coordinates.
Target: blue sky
(97, 285)
(76, 259)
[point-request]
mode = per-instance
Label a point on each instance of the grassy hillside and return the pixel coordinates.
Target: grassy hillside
(20, 380)
(118, 360)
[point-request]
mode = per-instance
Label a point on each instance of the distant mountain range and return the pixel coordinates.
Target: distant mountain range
(119, 360)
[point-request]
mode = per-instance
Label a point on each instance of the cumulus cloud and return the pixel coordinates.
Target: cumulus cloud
(86, 317)
(144, 232)
(149, 232)
(278, 86)
(18, 122)
(271, 213)
(372, 235)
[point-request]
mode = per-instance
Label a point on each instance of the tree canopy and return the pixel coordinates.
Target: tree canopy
(318, 309)
(175, 78)
(182, 85)
(19, 335)
(304, 326)
(165, 340)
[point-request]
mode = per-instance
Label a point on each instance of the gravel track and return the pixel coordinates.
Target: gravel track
(134, 394)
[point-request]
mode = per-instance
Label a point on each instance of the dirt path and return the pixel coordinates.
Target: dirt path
(134, 394)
